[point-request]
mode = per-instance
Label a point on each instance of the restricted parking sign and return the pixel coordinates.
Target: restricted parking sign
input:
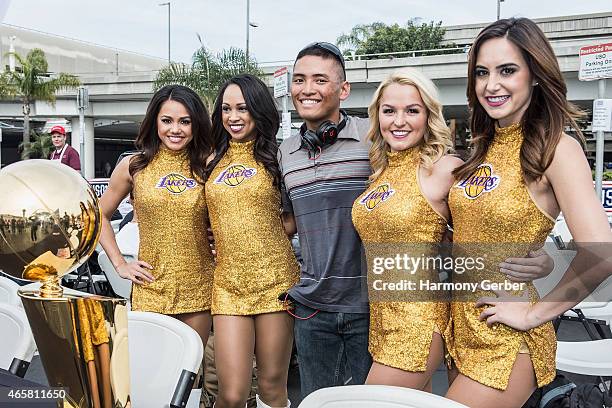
(595, 62)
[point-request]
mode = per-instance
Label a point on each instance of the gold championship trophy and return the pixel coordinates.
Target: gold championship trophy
(50, 223)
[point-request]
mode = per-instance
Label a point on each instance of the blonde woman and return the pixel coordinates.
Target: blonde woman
(412, 169)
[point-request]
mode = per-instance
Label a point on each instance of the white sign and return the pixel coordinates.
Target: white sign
(606, 196)
(595, 62)
(602, 115)
(281, 82)
(286, 125)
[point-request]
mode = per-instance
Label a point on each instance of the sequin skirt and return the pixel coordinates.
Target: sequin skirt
(487, 354)
(401, 332)
(248, 293)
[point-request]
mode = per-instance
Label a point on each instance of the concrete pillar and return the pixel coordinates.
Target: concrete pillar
(89, 158)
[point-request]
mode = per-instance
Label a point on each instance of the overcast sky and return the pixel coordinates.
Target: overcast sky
(284, 27)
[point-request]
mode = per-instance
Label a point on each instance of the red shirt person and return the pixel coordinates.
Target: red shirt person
(63, 152)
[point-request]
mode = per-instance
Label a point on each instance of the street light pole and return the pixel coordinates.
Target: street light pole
(249, 24)
(248, 29)
(498, 7)
(168, 4)
(82, 105)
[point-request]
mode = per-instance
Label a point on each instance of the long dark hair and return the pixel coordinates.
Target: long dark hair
(548, 112)
(262, 108)
(148, 140)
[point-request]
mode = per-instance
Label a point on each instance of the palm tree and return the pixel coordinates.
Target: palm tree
(31, 82)
(351, 42)
(40, 148)
(207, 72)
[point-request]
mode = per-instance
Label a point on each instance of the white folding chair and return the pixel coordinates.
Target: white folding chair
(375, 396)
(165, 356)
(592, 357)
(122, 287)
(17, 344)
(8, 292)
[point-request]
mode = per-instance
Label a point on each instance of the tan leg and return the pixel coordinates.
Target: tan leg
(451, 374)
(384, 375)
(234, 346)
(521, 385)
(198, 321)
(274, 341)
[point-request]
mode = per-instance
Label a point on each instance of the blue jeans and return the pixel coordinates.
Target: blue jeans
(327, 343)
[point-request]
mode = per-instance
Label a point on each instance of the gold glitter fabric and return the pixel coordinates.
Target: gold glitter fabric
(394, 211)
(493, 209)
(171, 209)
(91, 326)
(255, 261)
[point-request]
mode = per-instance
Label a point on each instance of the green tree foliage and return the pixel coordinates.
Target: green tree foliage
(378, 38)
(39, 148)
(359, 34)
(207, 72)
(31, 81)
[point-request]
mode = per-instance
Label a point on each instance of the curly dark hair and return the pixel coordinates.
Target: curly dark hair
(262, 108)
(148, 140)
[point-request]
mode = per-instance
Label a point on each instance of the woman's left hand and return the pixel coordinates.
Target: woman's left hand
(513, 311)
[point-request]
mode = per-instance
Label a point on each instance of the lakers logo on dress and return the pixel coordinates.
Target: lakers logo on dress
(482, 180)
(175, 183)
(235, 174)
(377, 196)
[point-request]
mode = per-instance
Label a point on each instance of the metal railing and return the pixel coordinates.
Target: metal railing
(381, 55)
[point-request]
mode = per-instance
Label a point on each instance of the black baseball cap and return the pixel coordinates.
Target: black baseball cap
(329, 47)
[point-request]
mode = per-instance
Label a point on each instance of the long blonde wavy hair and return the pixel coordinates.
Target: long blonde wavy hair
(437, 140)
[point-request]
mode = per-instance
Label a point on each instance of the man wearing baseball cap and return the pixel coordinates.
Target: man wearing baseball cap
(63, 152)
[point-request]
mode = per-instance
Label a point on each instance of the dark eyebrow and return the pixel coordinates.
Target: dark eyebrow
(317, 75)
(238, 104)
(508, 64)
(170, 117)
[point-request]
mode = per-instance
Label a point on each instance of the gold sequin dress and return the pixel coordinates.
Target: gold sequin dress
(394, 211)
(255, 261)
(171, 209)
(493, 210)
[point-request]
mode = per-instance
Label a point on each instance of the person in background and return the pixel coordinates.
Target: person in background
(64, 153)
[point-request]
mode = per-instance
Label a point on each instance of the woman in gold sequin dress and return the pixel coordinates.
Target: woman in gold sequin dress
(173, 273)
(523, 171)
(405, 206)
(255, 261)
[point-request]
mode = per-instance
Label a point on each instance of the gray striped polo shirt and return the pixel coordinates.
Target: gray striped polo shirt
(320, 192)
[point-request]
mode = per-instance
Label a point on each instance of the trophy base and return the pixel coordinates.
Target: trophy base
(82, 342)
